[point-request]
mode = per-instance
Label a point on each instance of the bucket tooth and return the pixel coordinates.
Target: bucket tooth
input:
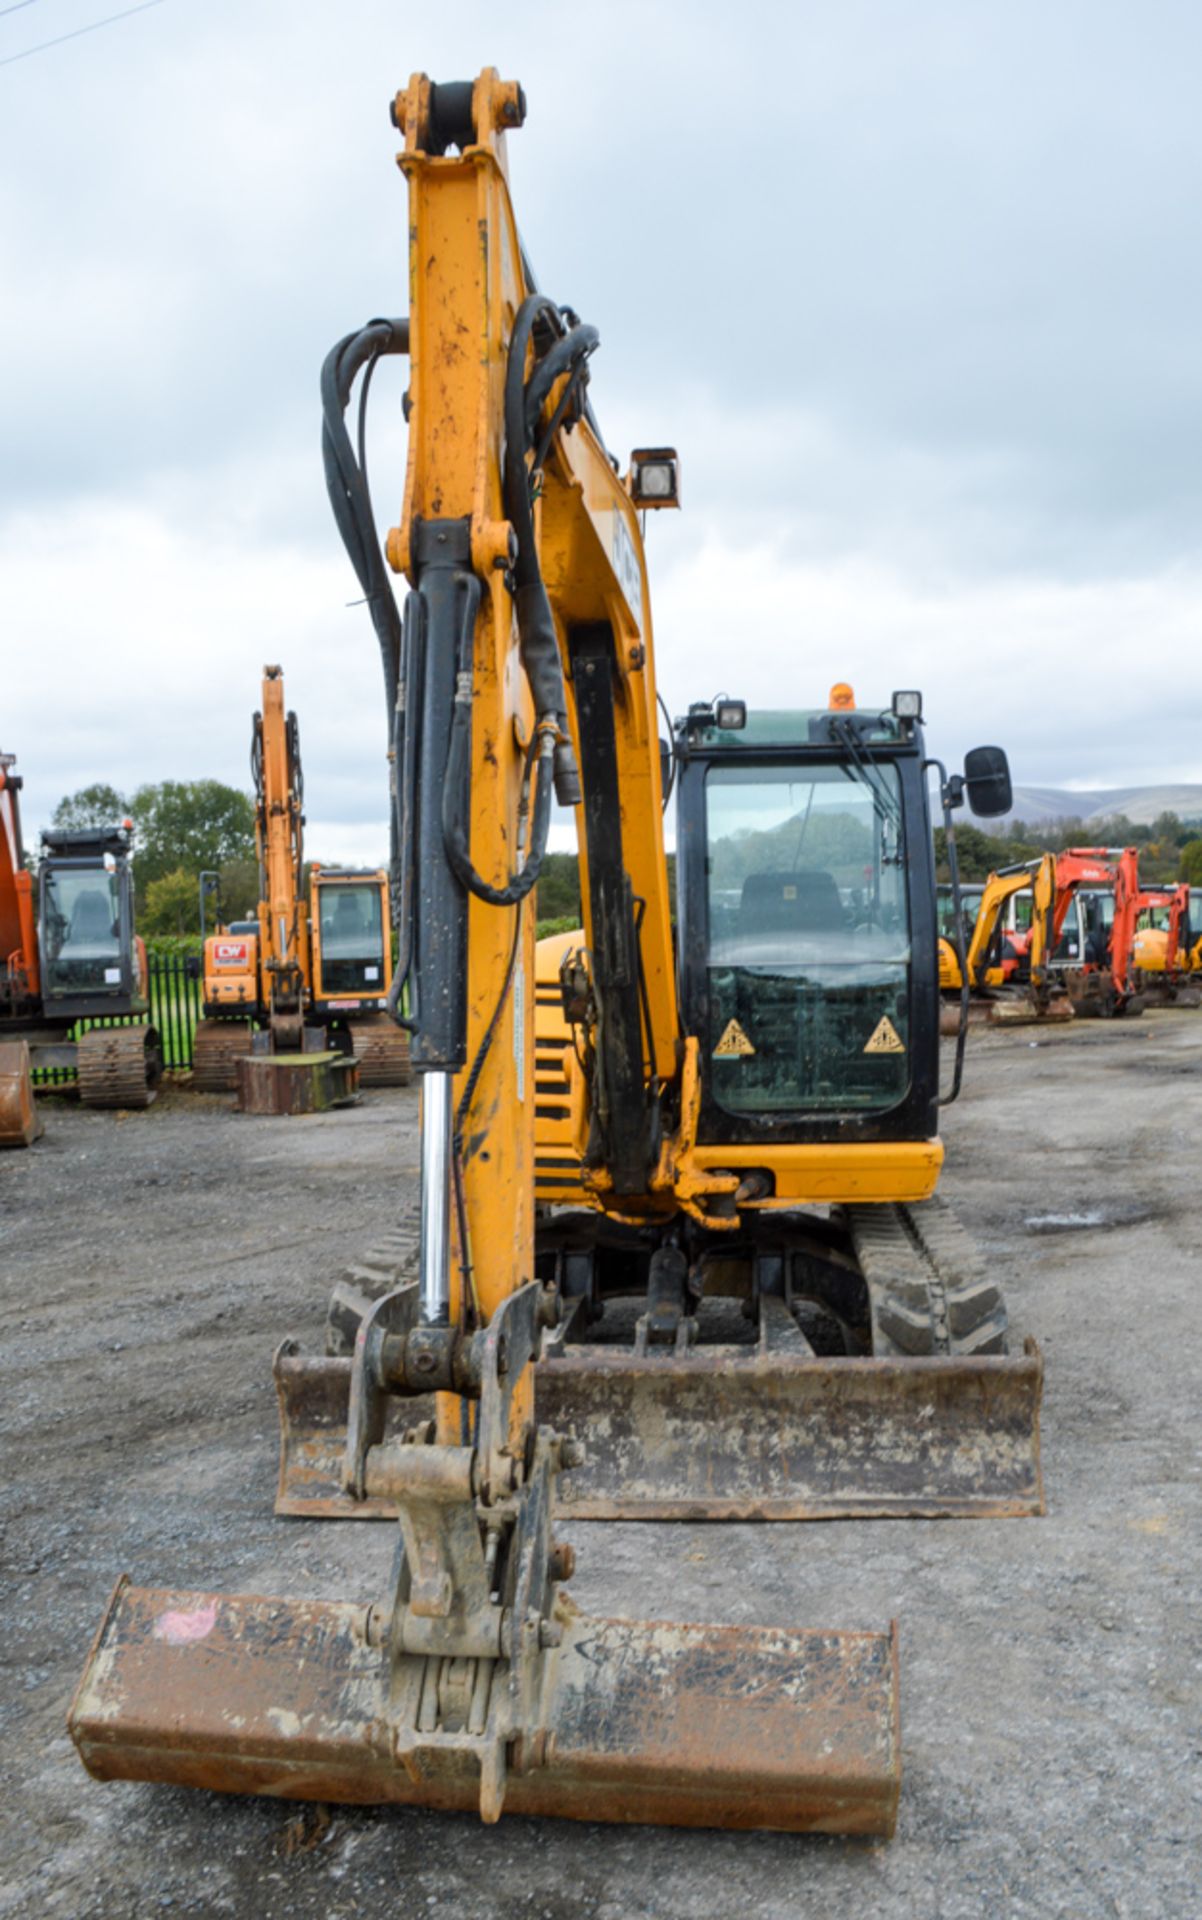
(697, 1726)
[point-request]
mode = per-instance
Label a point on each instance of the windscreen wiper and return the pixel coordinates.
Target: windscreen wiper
(845, 734)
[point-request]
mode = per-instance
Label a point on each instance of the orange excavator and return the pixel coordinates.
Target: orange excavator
(1160, 953)
(1103, 982)
(69, 956)
(313, 971)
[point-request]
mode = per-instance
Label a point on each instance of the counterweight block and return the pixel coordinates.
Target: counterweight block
(697, 1726)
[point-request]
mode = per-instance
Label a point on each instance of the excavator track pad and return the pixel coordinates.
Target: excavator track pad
(382, 1050)
(118, 1066)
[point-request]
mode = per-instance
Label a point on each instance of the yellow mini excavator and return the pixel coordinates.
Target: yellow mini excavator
(314, 968)
(1030, 992)
(678, 1249)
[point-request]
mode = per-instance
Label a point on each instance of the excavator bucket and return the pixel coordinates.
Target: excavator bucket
(693, 1726)
(1023, 1013)
(20, 1124)
(480, 1685)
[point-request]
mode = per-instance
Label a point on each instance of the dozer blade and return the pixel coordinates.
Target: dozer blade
(717, 1435)
(313, 1396)
(657, 1724)
(1024, 1013)
(719, 1438)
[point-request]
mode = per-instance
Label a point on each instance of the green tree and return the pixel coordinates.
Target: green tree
(96, 806)
(559, 888)
(190, 825)
(171, 904)
(1168, 829)
(239, 888)
(1190, 866)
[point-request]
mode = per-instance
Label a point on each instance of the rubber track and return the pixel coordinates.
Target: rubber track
(392, 1260)
(215, 1049)
(382, 1050)
(928, 1285)
(115, 1066)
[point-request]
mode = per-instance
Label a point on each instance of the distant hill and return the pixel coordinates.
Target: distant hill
(1141, 805)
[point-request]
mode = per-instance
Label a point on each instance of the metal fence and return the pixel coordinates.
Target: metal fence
(174, 1012)
(174, 1009)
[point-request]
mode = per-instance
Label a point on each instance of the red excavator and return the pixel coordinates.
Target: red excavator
(1102, 982)
(1159, 955)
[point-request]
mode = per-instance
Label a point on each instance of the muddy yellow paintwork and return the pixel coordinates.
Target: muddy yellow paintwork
(466, 282)
(465, 286)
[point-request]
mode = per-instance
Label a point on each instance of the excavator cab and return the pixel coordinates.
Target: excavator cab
(90, 960)
(806, 894)
(349, 918)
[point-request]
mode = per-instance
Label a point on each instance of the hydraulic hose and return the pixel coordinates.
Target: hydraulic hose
(456, 799)
(346, 479)
(550, 760)
(524, 402)
(350, 498)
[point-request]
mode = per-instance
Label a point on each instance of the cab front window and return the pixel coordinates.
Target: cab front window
(351, 933)
(809, 938)
(81, 923)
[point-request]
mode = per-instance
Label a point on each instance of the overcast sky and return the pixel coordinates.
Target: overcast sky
(916, 290)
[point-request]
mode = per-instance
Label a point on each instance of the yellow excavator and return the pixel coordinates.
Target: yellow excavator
(313, 970)
(1029, 991)
(679, 1252)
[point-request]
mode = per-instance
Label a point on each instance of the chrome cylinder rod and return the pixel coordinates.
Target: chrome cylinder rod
(436, 1198)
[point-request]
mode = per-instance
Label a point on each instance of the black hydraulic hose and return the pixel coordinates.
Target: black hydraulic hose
(401, 641)
(346, 479)
(350, 499)
(406, 746)
(456, 801)
(536, 627)
(564, 357)
(482, 1051)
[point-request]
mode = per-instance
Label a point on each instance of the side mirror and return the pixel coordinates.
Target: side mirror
(987, 779)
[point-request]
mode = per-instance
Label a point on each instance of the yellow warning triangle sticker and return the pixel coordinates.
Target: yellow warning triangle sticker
(733, 1042)
(885, 1038)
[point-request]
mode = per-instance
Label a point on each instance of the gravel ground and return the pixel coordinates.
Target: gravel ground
(1050, 1668)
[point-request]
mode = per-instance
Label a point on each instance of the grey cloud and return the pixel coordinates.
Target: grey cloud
(914, 289)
